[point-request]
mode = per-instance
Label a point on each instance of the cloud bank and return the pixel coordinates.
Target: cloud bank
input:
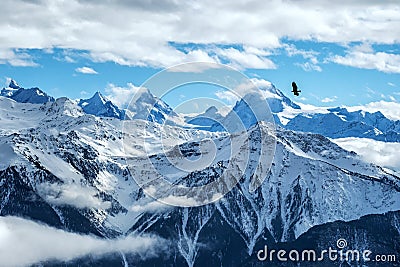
(121, 96)
(102, 32)
(24, 242)
(380, 153)
(73, 195)
(382, 61)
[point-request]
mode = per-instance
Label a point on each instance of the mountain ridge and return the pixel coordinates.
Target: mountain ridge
(312, 182)
(335, 122)
(31, 95)
(99, 105)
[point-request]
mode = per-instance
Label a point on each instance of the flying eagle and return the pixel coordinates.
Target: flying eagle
(295, 90)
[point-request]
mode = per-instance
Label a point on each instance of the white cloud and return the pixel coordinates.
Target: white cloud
(185, 201)
(200, 56)
(389, 109)
(121, 96)
(140, 32)
(8, 80)
(195, 68)
(24, 242)
(382, 61)
(308, 66)
(329, 99)
(292, 50)
(254, 84)
(381, 153)
(261, 83)
(310, 55)
(150, 207)
(86, 70)
(16, 58)
(227, 95)
(391, 84)
(72, 194)
(84, 93)
(245, 59)
(181, 201)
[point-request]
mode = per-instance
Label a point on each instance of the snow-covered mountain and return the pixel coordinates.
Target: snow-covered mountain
(68, 169)
(99, 105)
(339, 123)
(331, 122)
(207, 118)
(11, 89)
(146, 106)
(22, 95)
(252, 108)
(245, 110)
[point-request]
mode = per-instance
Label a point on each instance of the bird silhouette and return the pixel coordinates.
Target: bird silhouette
(295, 90)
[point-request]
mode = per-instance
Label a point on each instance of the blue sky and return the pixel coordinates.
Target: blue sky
(347, 56)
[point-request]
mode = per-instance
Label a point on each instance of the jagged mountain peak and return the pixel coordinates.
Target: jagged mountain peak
(254, 95)
(13, 84)
(97, 98)
(144, 105)
(31, 95)
(276, 99)
(99, 105)
(144, 94)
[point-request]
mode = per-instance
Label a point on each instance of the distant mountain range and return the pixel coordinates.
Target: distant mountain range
(330, 122)
(339, 122)
(144, 104)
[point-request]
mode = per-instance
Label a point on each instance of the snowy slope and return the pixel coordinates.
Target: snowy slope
(312, 182)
